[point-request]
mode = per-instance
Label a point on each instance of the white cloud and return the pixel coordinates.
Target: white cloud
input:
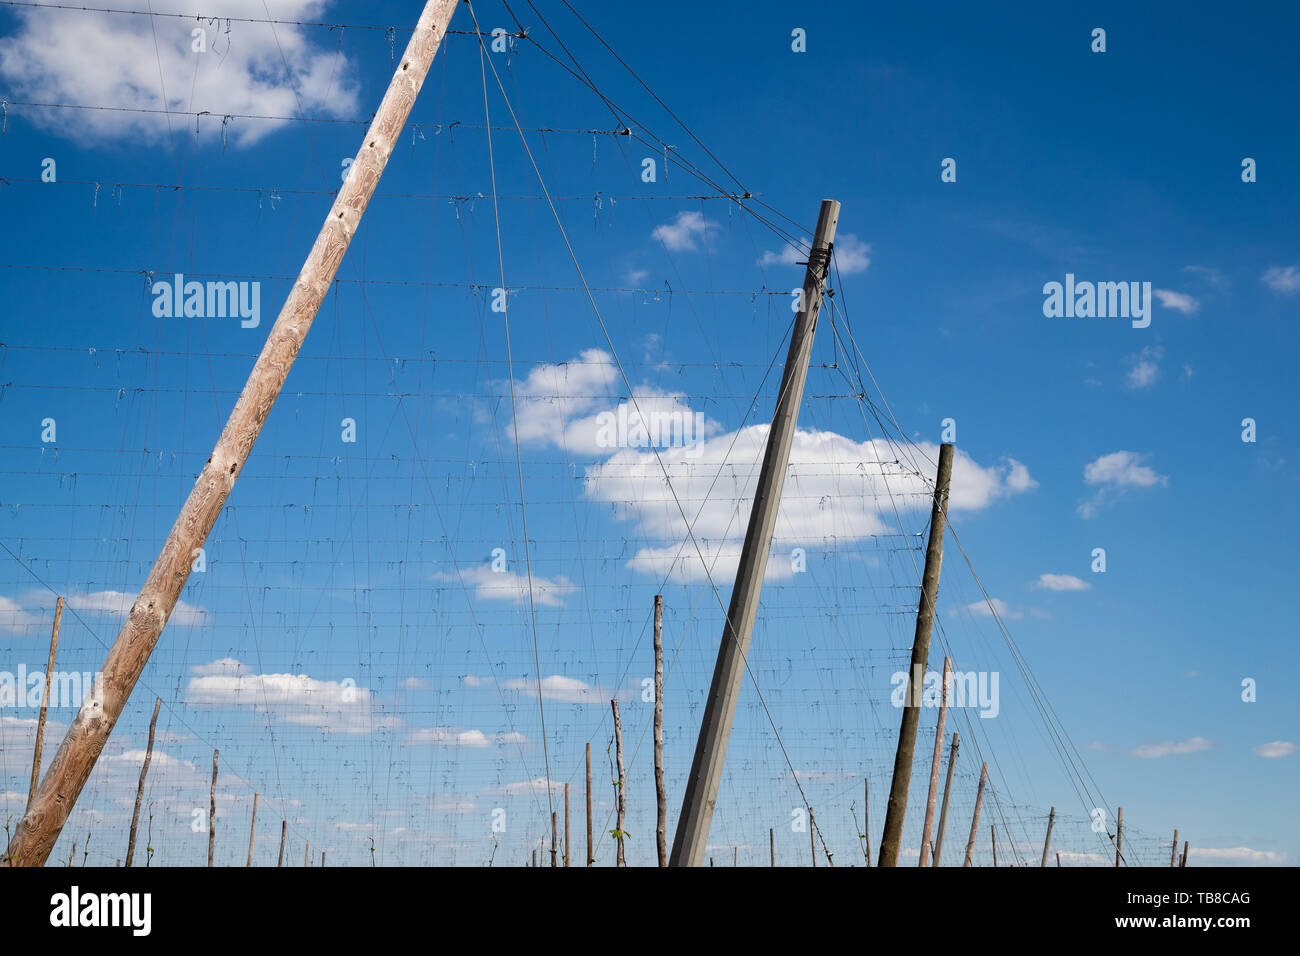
(851, 255)
(1168, 748)
(685, 232)
(537, 785)
(1179, 301)
(492, 585)
(1060, 582)
(14, 620)
(330, 706)
(1236, 854)
(451, 737)
(558, 687)
(118, 604)
(1278, 748)
(987, 609)
(1113, 474)
(1209, 273)
(102, 59)
(1284, 280)
(1145, 367)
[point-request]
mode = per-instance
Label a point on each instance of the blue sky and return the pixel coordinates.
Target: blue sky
(349, 647)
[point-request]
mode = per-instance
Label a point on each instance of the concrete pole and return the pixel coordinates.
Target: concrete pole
(45, 703)
(720, 708)
(1051, 819)
(947, 792)
(46, 815)
(252, 829)
(934, 763)
(896, 810)
(1119, 836)
(661, 792)
(139, 790)
(975, 820)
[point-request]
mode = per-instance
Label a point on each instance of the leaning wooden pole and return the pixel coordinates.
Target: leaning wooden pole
(947, 792)
(661, 792)
(993, 835)
(284, 830)
(139, 790)
(934, 763)
(45, 704)
(252, 829)
(1047, 842)
(55, 798)
(975, 820)
(692, 835)
(866, 819)
(212, 809)
(1173, 854)
(1184, 860)
(621, 796)
(896, 810)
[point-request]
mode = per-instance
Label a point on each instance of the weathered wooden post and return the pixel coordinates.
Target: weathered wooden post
(72, 765)
(212, 809)
(1119, 836)
(284, 829)
(45, 702)
(252, 829)
(590, 859)
(947, 792)
(661, 792)
(934, 763)
(621, 802)
(975, 820)
(1051, 818)
(139, 790)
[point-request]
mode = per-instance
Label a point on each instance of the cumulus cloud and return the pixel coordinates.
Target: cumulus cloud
(1179, 301)
(1114, 474)
(687, 230)
(14, 620)
(851, 255)
(1060, 582)
(329, 706)
(1284, 280)
(1170, 748)
(104, 59)
(991, 606)
(453, 737)
(492, 585)
(1240, 855)
(1277, 748)
(558, 687)
(1144, 367)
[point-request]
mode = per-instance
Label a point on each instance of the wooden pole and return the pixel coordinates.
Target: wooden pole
(139, 790)
(1051, 818)
(212, 809)
(661, 792)
(975, 820)
(812, 836)
(555, 837)
(284, 829)
(1173, 853)
(896, 810)
(702, 784)
(771, 843)
(735, 856)
(1184, 862)
(993, 835)
(1058, 858)
(45, 703)
(1119, 836)
(46, 815)
(306, 854)
(947, 792)
(866, 819)
(252, 829)
(566, 825)
(534, 863)
(934, 763)
(590, 859)
(622, 779)
(322, 857)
